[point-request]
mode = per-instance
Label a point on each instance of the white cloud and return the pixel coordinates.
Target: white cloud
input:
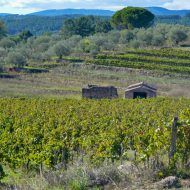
(146, 3)
(58, 4)
(178, 4)
(25, 6)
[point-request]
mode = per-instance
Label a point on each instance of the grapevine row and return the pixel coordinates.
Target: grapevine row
(147, 59)
(165, 52)
(48, 132)
(141, 65)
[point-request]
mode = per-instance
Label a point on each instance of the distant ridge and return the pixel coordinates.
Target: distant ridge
(99, 12)
(59, 12)
(165, 12)
(5, 14)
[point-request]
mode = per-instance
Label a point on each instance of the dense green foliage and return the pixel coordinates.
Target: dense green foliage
(36, 24)
(36, 132)
(173, 19)
(2, 173)
(61, 50)
(41, 24)
(160, 59)
(16, 58)
(23, 36)
(2, 30)
(132, 17)
(85, 26)
(178, 36)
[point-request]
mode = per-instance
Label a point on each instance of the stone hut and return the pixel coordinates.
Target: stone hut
(140, 90)
(99, 92)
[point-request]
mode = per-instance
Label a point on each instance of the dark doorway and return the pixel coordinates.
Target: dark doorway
(139, 95)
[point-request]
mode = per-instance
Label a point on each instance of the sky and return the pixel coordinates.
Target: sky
(28, 6)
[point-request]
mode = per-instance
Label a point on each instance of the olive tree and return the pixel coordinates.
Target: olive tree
(126, 36)
(145, 36)
(136, 44)
(72, 42)
(61, 50)
(7, 43)
(2, 30)
(3, 52)
(99, 39)
(16, 58)
(177, 35)
(25, 35)
(158, 40)
(114, 36)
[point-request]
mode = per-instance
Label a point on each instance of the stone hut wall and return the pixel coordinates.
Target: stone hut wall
(96, 92)
(130, 93)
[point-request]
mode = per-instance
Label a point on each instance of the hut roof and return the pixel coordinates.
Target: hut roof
(96, 86)
(140, 85)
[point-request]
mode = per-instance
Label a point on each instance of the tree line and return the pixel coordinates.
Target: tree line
(174, 19)
(37, 25)
(25, 48)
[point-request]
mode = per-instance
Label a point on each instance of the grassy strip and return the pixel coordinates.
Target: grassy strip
(34, 70)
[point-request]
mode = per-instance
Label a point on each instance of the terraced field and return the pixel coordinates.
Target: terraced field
(166, 59)
(168, 69)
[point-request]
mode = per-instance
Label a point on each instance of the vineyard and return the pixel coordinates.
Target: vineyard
(47, 132)
(169, 60)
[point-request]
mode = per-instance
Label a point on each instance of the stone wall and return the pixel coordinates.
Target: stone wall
(96, 92)
(130, 94)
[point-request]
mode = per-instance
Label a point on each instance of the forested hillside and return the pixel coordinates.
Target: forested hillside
(36, 24)
(61, 12)
(52, 20)
(160, 11)
(174, 19)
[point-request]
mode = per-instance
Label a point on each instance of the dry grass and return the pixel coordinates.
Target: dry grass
(67, 81)
(80, 175)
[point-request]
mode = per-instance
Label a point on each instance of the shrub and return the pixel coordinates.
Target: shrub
(177, 36)
(135, 44)
(158, 40)
(126, 36)
(2, 173)
(16, 58)
(61, 50)
(3, 52)
(7, 43)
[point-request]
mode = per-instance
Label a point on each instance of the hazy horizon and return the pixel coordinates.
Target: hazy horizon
(29, 6)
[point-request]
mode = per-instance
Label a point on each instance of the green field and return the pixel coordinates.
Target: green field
(38, 131)
(168, 60)
(41, 134)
